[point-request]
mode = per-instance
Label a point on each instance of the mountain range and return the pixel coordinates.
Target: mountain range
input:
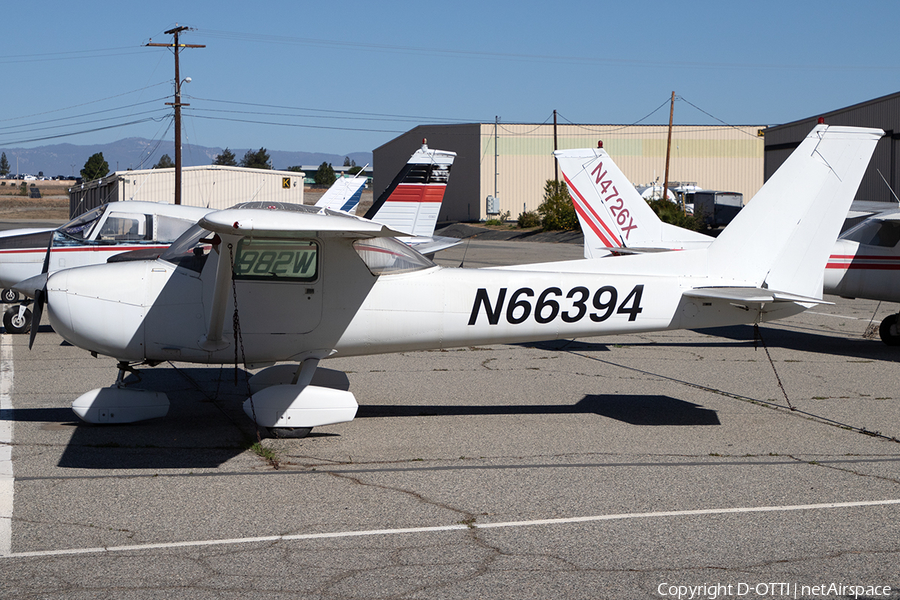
(128, 153)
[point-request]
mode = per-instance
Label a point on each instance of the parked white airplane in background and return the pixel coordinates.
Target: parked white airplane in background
(616, 220)
(89, 239)
(614, 217)
(303, 284)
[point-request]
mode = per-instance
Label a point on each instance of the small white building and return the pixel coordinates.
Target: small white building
(212, 186)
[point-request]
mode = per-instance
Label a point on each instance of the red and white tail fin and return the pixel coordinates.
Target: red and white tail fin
(413, 200)
(611, 212)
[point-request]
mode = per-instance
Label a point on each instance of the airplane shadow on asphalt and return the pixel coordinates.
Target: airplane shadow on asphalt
(742, 336)
(204, 428)
(635, 410)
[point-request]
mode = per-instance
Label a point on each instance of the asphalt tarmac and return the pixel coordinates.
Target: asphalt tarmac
(654, 466)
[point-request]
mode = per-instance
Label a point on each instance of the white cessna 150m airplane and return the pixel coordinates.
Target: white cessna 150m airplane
(616, 220)
(303, 286)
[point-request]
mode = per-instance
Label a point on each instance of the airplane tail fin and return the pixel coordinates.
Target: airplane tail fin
(784, 235)
(344, 194)
(611, 212)
(413, 200)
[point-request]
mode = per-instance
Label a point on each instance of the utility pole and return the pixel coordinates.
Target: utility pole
(177, 104)
(555, 148)
(669, 148)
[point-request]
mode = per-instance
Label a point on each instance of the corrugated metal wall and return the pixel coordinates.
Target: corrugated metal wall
(722, 158)
(883, 113)
(214, 186)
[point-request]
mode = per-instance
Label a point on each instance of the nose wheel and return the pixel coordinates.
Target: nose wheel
(17, 319)
(888, 330)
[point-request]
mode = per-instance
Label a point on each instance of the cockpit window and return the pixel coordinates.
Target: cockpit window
(875, 232)
(387, 256)
(126, 227)
(276, 260)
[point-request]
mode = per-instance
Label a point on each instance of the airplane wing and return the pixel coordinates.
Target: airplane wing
(286, 224)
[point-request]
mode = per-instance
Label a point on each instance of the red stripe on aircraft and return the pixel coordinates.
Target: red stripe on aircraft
(592, 218)
(112, 248)
(418, 192)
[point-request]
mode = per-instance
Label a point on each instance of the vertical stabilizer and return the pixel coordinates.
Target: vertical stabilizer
(611, 212)
(782, 238)
(413, 200)
(344, 194)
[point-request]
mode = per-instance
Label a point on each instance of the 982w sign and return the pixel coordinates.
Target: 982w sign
(550, 305)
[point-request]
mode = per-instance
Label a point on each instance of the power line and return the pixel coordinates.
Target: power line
(86, 103)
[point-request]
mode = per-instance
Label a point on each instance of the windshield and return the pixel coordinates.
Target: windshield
(875, 232)
(388, 256)
(79, 228)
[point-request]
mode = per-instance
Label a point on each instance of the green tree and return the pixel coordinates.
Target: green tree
(95, 167)
(4, 165)
(165, 162)
(256, 160)
(325, 174)
(227, 158)
(557, 211)
(669, 212)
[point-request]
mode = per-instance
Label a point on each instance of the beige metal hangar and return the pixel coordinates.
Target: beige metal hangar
(513, 161)
(213, 186)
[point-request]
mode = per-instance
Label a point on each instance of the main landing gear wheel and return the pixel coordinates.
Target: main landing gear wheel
(890, 335)
(295, 433)
(15, 322)
(9, 296)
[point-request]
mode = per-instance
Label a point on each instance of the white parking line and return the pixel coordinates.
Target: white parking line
(456, 527)
(821, 314)
(7, 482)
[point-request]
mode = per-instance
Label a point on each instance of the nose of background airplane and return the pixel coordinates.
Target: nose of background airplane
(100, 308)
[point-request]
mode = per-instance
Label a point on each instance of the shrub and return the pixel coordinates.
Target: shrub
(529, 219)
(557, 211)
(669, 212)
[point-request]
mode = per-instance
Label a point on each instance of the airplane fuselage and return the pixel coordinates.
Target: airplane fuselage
(155, 311)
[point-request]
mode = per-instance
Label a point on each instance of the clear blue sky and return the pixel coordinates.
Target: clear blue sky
(347, 77)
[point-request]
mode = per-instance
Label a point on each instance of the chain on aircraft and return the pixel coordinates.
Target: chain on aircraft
(296, 285)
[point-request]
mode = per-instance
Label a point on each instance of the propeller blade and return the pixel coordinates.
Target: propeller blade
(46, 266)
(36, 311)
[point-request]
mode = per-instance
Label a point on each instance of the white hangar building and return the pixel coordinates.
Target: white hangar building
(513, 161)
(211, 186)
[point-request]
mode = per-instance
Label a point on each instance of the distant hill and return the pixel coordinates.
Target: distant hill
(69, 159)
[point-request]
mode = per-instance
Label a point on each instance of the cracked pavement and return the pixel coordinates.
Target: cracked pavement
(648, 451)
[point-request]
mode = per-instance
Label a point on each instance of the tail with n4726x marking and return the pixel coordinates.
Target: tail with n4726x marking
(613, 216)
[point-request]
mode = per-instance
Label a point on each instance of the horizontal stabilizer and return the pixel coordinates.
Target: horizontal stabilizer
(749, 295)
